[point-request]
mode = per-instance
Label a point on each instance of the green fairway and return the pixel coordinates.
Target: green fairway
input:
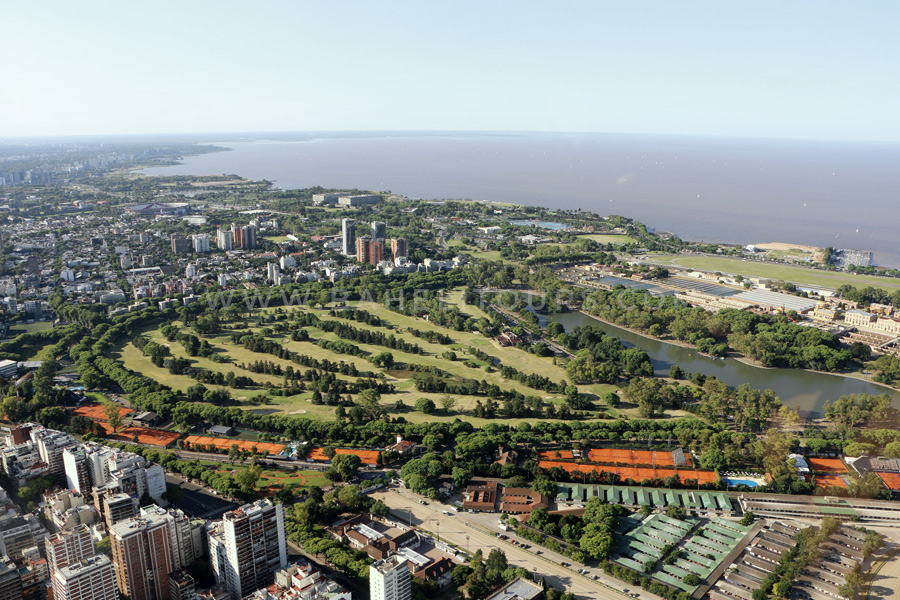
(606, 238)
(401, 402)
(20, 327)
(797, 275)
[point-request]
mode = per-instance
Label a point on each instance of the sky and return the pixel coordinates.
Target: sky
(780, 69)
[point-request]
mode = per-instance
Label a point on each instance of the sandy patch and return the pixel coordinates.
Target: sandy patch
(297, 412)
(785, 247)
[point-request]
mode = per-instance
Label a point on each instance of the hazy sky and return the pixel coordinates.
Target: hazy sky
(783, 68)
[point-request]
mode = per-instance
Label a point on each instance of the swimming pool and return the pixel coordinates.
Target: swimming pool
(730, 481)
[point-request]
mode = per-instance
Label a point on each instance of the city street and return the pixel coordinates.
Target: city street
(474, 530)
(199, 501)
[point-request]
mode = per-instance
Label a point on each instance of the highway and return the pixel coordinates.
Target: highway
(472, 531)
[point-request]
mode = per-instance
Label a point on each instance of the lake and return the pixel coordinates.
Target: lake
(806, 390)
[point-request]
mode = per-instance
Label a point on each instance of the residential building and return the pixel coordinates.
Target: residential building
(348, 236)
(399, 248)
(91, 579)
(182, 586)
(224, 239)
(390, 579)
(302, 582)
(20, 532)
(143, 555)
(376, 251)
(117, 508)
(69, 547)
(255, 546)
(76, 468)
(180, 245)
(519, 589)
(201, 243)
(364, 249)
(10, 582)
(379, 229)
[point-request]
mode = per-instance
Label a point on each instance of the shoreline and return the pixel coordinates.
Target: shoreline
(737, 356)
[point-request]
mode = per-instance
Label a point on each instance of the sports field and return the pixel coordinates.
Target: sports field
(203, 441)
(777, 272)
(367, 457)
(633, 473)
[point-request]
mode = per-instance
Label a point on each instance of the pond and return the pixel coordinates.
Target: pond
(803, 390)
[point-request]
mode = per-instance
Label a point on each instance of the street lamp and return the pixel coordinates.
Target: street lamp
(438, 523)
(467, 545)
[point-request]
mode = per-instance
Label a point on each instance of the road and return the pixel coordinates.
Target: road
(469, 531)
(198, 501)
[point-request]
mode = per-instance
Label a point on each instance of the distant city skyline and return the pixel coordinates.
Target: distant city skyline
(763, 69)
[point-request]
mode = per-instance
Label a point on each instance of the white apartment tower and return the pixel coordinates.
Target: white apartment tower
(201, 243)
(390, 579)
(224, 239)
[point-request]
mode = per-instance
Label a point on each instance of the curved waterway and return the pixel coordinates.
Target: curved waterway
(806, 390)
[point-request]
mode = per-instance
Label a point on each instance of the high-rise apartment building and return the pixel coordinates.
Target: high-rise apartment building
(390, 579)
(255, 547)
(76, 468)
(363, 249)
(180, 245)
(201, 242)
(224, 239)
(378, 230)
(399, 247)
(68, 547)
(92, 579)
(143, 556)
(376, 251)
(10, 583)
(348, 234)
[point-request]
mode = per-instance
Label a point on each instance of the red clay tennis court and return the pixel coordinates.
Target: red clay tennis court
(227, 443)
(891, 480)
(150, 437)
(367, 457)
(633, 457)
(827, 465)
(634, 473)
(96, 412)
(827, 481)
(555, 454)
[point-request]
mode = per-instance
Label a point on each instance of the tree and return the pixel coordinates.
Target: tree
(104, 546)
(112, 415)
(425, 405)
(379, 509)
(234, 453)
(448, 403)
(246, 479)
(544, 485)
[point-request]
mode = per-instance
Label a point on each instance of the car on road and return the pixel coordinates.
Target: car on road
(564, 564)
(423, 503)
(538, 551)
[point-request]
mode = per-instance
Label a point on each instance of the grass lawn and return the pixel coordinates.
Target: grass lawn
(405, 390)
(608, 238)
(276, 239)
(19, 328)
(797, 275)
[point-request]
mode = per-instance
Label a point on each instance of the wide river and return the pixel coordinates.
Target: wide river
(841, 194)
(806, 390)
